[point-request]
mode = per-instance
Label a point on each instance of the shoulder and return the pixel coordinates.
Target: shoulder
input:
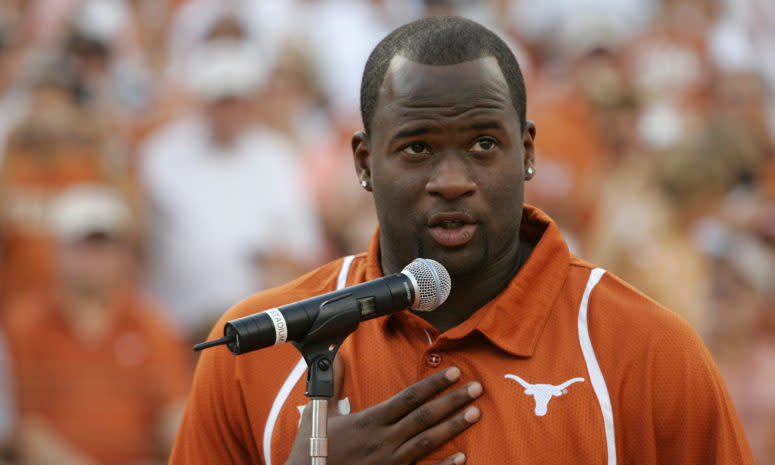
(165, 143)
(149, 318)
(26, 312)
(633, 336)
(318, 281)
(615, 303)
(639, 342)
(238, 388)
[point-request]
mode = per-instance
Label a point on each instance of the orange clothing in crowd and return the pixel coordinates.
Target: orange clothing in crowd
(577, 367)
(28, 182)
(105, 398)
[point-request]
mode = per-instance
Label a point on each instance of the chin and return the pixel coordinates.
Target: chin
(462, 261)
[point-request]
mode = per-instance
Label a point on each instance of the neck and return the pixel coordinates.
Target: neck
(89, 315)
(470, 293)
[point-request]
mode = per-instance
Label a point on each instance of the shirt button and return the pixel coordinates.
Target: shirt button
(433, 360)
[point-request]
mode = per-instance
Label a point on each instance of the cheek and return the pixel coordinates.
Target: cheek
(398, 199)
(505, 196)
(397, 191)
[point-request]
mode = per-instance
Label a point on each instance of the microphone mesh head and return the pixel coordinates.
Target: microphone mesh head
(433, 283)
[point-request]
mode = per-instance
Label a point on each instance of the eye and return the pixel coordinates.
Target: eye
(484, 144)
(416, 148)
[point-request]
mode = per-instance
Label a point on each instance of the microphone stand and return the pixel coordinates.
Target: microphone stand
(336, 319)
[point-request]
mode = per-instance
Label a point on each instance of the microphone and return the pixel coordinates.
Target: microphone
(422, 285)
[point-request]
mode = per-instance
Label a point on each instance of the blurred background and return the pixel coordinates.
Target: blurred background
(162, 159)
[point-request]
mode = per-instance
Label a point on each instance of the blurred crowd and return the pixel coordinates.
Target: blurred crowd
(162, 159)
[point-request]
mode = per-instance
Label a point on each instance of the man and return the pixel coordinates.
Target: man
(547, 359)
(99, 377)
(57, 145)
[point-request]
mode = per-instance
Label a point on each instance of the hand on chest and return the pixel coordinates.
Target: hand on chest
(541, 409)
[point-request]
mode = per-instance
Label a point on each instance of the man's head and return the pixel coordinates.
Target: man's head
(447, 150)
(440, 40)
(92, 226)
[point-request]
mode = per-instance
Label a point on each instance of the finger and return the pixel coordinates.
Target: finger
(455, 459)
(429, 440)
(305, 417)
(434, 411)
(415, 395)
(339, 369)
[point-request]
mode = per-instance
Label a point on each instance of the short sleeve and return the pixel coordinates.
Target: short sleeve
(215, 428)
(696, 422)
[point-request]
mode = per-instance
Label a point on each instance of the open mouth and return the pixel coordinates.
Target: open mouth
(449, 224)
(452, 229)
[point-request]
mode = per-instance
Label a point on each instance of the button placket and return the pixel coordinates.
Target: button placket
(433, 359)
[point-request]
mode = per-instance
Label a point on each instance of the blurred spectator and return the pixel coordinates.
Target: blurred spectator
(742, 98)
(292, 102)
(100, 377)
(11, 55)
(231, 213)
(742, 317)
(340, 66)
(571, 146)
(7, 408)
(45, 153)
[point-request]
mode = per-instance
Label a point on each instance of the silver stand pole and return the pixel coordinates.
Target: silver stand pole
(318, 442)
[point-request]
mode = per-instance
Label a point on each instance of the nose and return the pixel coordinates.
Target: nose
(451, 178)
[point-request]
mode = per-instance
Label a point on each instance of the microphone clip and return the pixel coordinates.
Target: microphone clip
(335, 321)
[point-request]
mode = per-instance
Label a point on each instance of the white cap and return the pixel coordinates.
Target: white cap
(101, 20)
(222, 68)
(88, 209)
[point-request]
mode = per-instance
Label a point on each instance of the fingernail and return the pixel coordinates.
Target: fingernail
(460, 458)
(453, 374)
(472, 414)
(474, 390)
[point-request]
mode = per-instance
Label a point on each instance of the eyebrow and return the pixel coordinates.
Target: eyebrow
(414, 132)
(421, 130)
(487, 125)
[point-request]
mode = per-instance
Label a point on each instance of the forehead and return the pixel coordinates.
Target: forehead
(413, 89)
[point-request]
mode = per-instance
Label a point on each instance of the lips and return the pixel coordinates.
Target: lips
(452, 229)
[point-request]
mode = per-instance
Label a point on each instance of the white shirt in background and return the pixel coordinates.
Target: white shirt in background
(215, 210)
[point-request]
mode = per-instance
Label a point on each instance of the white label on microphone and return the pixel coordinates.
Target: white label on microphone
(280, 325)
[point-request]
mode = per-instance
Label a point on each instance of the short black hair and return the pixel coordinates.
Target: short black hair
(440, 40)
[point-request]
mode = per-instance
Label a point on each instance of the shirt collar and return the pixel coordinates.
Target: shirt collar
(514, 320)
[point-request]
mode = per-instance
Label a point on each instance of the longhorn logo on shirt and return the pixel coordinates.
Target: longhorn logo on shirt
(543, 393)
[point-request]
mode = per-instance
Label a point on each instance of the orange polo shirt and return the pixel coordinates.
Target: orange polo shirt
(577, 367)
(105, 399)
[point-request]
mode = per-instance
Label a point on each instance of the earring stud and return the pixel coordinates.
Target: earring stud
(530, 171)
(364, 183)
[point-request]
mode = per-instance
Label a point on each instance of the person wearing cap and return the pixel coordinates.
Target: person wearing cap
(230, 208)
(99, 375)
(55, 146)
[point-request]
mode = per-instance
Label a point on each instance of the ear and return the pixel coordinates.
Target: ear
(362, 158)
(528, 143)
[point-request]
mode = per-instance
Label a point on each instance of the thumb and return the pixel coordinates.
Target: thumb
(337, 405)
(339, 367)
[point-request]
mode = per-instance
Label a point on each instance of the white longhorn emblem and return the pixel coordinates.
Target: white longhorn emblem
(542, 393)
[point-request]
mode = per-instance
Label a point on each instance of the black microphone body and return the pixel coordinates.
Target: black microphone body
(422, 285)
(293, 322)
